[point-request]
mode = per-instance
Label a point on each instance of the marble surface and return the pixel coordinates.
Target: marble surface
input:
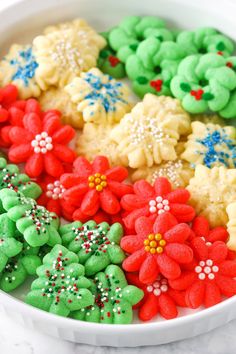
(15, 339)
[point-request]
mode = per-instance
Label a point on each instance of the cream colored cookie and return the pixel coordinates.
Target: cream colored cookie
(231, 225)
(211, 191)
(99, 98)
(149, 134)
(208, 118)
(64, 54)
(211, 145)
(59, 99)
(94, 140)
(18, 67)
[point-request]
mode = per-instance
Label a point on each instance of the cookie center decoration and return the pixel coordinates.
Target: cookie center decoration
(158, 287)
(208, 243)
(25, 65)
(97, 181)
(158, 205)
(206, 269)
(55, 190)
(42, 143)
(154, 243)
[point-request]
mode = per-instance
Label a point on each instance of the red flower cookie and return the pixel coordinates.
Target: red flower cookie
(159, 297)
(42, 144)
(157, 247)
(211, 276)
(95, 188)
(151, 201)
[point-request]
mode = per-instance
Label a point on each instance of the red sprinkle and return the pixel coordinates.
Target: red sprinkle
(156, 84)
(114, 61)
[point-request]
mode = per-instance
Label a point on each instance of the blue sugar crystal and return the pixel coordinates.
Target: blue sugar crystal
(25, 65)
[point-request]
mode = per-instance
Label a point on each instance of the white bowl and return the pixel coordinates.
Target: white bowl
(21, 22)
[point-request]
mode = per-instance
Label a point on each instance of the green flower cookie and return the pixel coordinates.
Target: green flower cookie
(9, 246)
(35, 222)
(114, 298)
(61, 287)
(97, 245)
(205, 40)
(20, 267)
(153, 66)
(204, 82)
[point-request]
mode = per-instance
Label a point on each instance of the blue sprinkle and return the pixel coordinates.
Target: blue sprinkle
(25, 66)
(214, 143)
(112, 95)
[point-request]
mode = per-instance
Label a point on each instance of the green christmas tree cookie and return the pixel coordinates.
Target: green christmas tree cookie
(61, 287)
(97, 245)
(35, 222)
(205, 82)
(114, 298)
(9, 246)
(20, 267)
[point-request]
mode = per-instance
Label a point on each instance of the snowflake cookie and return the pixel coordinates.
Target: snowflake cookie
(36, 223)
(211, 145)
(61, 286)
(62, 55)
(99, 97)
(19, 67)
(97, 245)
(114, 298)
(149, 134)
(211, 191)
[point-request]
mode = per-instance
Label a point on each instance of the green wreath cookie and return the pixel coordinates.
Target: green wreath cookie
(9, 246)
(114, 298)
(20, 267)
(204, 82)
(153, 66)
(205, 40)
(61, 287)
(35, 222)
(97, 245)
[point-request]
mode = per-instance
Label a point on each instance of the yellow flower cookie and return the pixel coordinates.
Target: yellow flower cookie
(211, 191)
(18, 67)
(63, 54)
(59, 99)
(231, 225)
(94, 140)
(149, 134)
(211, 145)
(99, 98)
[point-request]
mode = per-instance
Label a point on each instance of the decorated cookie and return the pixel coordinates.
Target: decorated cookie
(159, 297)
(211, 276)
(61, 286)
(211, 191)
(95, 140)
(201, 228)
(99, 97)
(153, 66)
(229, 110)
(55, 98)
(9, 246)
(63, 54)
(211, 145)
(205, 40)
(95, 187)
(158, 247)
(208, 118)
(18, 67)
(231, 225)
(36, 223)
(152, 201)
(178, 172)
(97, 245)
(42, 144)
(114, 298)
(149, 134)
(20, 267)
(204, 82)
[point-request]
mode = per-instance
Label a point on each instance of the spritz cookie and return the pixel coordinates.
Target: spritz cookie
(211, 145)
(149, 134)
(211, 191)
(18, 67)
(99, 97)
(231, 225)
